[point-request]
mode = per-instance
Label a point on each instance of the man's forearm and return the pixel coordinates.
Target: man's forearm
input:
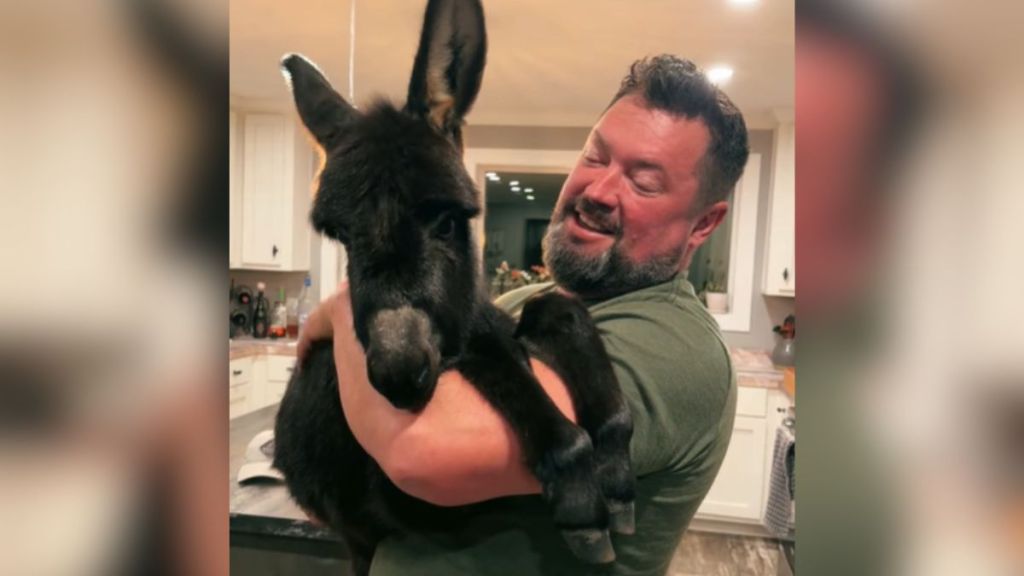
(374, 422)
(458, 450)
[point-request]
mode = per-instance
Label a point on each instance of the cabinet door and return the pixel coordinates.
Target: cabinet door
(279, 372)
(234, 195)
(780, 258)
(738, 490)
(266, 192)
(240, 387)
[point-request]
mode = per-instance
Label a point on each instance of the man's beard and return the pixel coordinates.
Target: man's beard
(609, 273)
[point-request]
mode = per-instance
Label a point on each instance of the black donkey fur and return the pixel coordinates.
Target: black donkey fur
(394, 191)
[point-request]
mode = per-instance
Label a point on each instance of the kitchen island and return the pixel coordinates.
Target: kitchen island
(263, 515)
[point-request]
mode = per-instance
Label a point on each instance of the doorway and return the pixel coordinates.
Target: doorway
(533, 239)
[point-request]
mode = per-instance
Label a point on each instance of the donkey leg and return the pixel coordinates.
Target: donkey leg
(558, 330)
(559, 453)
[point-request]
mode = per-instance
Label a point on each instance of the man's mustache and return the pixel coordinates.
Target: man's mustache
(595, 213)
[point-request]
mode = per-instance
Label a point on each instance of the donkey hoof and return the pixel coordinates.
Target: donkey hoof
(621, 517)
(590, 545)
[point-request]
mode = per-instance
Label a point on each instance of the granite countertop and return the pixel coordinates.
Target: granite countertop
(248, 346)
(262, 514)
(754, 368)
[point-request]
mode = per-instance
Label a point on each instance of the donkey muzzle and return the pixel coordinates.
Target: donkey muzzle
(403, 360)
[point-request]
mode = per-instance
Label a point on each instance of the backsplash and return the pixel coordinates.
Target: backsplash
(290, 281)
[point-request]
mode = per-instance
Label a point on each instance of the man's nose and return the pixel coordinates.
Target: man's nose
(604, 190)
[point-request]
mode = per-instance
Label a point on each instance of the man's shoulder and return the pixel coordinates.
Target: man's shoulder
(669, 359)
(665, 315)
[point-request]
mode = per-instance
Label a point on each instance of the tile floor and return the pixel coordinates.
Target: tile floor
(708, 554)
(699, 554)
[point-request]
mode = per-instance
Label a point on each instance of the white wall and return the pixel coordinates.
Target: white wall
(766, 311)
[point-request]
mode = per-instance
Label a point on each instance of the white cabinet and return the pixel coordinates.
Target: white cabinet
(240, 386)
(271, 192)
(780, 245)
(235, 191)
(257, 382)
(279, 372)
(740, 490)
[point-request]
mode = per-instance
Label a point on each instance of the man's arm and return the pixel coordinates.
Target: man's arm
(457, 450)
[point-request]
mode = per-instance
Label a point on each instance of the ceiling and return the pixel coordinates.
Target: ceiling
(549, 63)
(545, 188)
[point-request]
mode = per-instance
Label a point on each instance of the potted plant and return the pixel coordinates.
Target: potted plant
(715, 295)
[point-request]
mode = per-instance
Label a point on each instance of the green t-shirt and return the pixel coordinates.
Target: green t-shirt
(676, 375)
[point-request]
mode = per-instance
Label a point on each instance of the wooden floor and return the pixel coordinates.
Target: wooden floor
(707, 554)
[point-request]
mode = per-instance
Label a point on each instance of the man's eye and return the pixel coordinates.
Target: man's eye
(445, 228)
(646, 186)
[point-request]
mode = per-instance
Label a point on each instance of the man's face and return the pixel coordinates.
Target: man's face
(625, 215)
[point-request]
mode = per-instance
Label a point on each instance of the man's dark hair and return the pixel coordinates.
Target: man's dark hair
(678, 87)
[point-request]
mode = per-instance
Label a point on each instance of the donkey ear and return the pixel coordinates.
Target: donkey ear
(449, 63)
(324, 112)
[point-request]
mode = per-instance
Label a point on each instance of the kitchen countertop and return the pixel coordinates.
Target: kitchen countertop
(248, 346)
(753, 367)
(262, 514)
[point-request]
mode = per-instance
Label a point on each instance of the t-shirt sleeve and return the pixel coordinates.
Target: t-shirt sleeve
(675, 375)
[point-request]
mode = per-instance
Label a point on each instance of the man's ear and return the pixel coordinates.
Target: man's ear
(707, 223)
(324, 112)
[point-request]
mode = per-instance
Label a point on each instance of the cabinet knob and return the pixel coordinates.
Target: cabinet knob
(274, 251)
(236, 372)
(785, 273)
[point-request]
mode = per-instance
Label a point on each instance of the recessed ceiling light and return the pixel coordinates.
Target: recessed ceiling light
(528, 190)
(743, 2)
(515, 188)
(529, 197)
(514, 183)
(719, 74)
(492, 174)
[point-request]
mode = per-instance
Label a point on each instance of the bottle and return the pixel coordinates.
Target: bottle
(292, 310)
(306, 303)
(279, 319)
(260, 316)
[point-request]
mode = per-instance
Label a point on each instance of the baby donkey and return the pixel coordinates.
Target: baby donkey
(395, 192)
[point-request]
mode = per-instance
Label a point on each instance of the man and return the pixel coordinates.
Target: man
(649, 188)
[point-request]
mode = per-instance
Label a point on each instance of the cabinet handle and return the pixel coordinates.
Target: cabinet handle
(274, 251)
(785, 273)
(236, 372)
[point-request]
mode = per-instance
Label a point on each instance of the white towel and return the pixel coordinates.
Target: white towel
(782, 490)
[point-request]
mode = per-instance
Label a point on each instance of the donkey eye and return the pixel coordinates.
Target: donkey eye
(445, 228)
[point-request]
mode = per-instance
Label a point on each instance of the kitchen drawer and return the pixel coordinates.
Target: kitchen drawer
(752, 402)
(240, 371)
(279, 368)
